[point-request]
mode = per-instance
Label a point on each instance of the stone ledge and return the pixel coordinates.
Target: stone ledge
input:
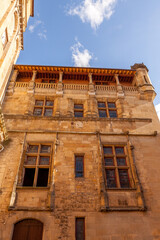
(65, 118)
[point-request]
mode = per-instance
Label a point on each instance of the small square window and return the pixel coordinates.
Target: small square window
(43, 107)
(111, 105)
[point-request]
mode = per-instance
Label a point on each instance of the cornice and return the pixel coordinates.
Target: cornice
(75, 70)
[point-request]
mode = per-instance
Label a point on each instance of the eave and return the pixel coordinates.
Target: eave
(75, 70)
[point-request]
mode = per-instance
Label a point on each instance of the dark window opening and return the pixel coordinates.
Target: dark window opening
(42, 180)
(29, 177)
(80, 229)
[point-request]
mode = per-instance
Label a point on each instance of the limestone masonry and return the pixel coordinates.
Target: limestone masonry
(82, 156)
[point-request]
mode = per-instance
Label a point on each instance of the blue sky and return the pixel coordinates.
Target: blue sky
(96, 33)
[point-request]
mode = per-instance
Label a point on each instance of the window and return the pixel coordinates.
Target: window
(4, 38)
(107, 110)
(78, 110)
(43, 108)
(80, 228)
(36, 165)
(116, 167)
(79, 166)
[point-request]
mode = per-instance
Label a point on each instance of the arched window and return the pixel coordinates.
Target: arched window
(28, 229)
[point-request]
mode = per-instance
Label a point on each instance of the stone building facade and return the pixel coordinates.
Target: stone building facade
(82, 157)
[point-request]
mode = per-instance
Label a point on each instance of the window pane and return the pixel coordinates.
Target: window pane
(39, 103)
(49, 103)
(101, 105)
(107, 150)
(37, 111)
(42, 180)
(102, 113)
(78, 114)
(79, 166)
(121, 161)
(30, 160)
(78, 106)
(32, 149)
(112, 114)
(80, 233)
(123, 178)
(28, 177)
(45, 149)
(108, 161)
(119, 150)
(111, 178)
(48, 112)
(111, 105)
(44, 160)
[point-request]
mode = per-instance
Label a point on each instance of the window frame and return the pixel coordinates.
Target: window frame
(75, 156)
(117, 167)
(107, 109)
(37, 165)
(43, 107)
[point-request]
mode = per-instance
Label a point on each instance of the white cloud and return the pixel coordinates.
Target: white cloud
(94, 11)
(42, 35)
(81, 56)
(41, 29)
(157, 107)
(34, 25)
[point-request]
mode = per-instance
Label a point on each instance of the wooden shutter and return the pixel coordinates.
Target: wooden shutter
(29, 229)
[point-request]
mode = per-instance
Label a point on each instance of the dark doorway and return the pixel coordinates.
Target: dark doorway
(28, 229)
